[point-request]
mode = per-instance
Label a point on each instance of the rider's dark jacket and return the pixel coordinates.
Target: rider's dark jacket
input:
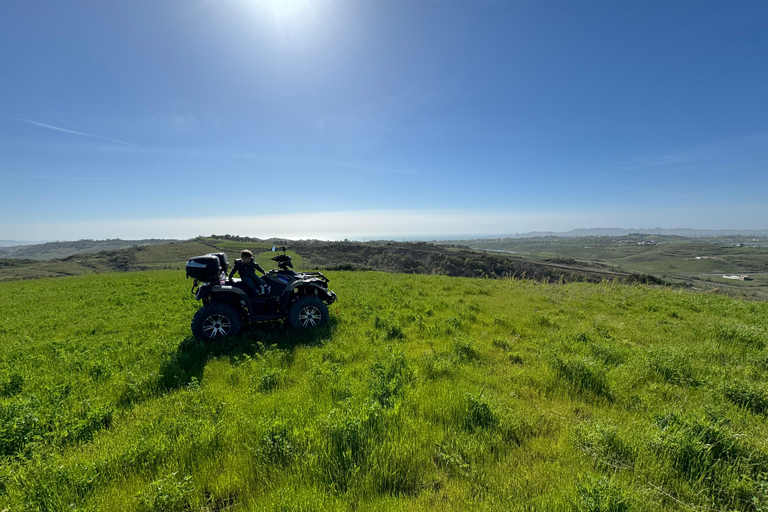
(248, 272)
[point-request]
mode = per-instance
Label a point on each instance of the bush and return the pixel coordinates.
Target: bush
(270, 379)
(464, 349)
(167, 494)
(276, 444)
(388, 376)
(477, 414)
(602, 495)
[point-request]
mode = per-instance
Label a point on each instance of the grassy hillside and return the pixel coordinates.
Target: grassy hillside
(170, 256)
(424, 393)
(412, 258)
(60, 250)
(698, 263)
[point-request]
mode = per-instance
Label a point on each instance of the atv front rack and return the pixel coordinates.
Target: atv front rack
(317, 274)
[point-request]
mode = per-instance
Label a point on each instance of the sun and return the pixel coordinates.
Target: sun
(295, 22)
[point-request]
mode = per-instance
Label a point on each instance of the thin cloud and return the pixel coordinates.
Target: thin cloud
(42, 125)
(392, 224)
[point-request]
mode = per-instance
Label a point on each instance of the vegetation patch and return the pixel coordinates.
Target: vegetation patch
(710, 455)
(674, 367)
(585, 376)
(424, 392)
(752, 396)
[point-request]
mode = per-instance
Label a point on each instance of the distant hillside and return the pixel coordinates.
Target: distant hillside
(407, 257)
(16, 243)
(58, 250)
(457, 261)
(686, 232)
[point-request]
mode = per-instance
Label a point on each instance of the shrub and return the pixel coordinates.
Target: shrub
(169, 494)
(391, 330)
(453, 459)
(388, 376)
(602, 495)
(12, 386)
(463, 349)
(270, 379)
(436, 365)
(276, 444)
(477, 414)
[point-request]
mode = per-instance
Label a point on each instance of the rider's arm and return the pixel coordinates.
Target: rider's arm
(234, 269)
(258, 267)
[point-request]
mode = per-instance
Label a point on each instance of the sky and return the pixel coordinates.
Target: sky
(335, 119)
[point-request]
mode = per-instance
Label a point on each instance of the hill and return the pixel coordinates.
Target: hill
(682, 232)
(424, 392)
(698, 263)
(59, 250)
(406, 257)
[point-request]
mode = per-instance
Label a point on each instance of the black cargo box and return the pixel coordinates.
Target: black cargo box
(223, 262)
(204, 268)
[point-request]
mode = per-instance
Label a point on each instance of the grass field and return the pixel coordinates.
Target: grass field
(167, 256)
(697, 263)
(424, 393)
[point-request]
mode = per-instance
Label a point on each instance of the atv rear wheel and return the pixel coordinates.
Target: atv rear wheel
(307, 313)
(216, 320)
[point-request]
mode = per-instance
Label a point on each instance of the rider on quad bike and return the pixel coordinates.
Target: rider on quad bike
(247, 267)
(300, 299)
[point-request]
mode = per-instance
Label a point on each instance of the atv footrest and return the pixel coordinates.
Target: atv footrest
(264, 318)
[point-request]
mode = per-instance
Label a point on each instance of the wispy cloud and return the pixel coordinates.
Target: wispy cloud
(65, 130)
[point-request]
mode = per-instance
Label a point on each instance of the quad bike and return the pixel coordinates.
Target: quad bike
(300, 299)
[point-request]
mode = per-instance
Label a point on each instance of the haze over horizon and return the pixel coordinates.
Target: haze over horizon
(335, 119)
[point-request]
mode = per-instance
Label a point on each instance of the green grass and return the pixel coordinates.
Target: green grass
(423, 393)
(673, 258)
(167, 256)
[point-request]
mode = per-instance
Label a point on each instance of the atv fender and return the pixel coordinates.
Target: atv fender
(315, 290)
(231, 294)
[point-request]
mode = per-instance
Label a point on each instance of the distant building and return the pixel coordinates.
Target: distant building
(738, 278)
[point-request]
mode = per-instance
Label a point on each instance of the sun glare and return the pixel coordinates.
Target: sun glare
(293, 20)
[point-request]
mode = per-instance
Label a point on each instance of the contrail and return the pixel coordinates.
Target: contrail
(35, 123)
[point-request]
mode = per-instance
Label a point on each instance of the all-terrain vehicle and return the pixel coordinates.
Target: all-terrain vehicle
(300, 299)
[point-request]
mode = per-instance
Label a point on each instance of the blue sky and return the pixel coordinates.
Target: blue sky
(380, 118)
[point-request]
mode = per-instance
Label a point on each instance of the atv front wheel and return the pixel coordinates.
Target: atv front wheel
(215, 320)
(307, 313)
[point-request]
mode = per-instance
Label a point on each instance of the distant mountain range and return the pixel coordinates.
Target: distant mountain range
(684, 232)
